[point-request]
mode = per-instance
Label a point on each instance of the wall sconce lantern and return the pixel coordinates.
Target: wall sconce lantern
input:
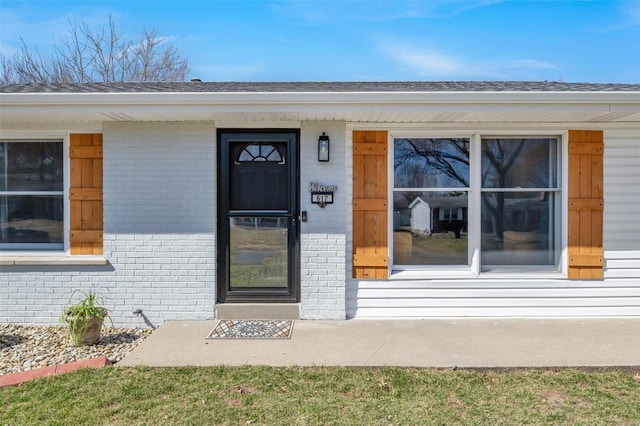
(323, 147)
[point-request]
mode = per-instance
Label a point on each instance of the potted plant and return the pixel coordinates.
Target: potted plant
(85, 318)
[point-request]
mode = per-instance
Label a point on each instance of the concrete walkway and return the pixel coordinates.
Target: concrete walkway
(463, 343)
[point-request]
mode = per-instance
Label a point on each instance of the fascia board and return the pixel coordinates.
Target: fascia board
(322, 101)
(323, 98)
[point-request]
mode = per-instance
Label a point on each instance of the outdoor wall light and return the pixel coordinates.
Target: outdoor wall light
(323, 147)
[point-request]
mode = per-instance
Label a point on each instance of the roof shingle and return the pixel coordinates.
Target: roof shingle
(319, 87)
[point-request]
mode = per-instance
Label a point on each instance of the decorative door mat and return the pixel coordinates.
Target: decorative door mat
(252, 329)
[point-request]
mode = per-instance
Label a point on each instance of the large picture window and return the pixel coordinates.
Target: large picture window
(31, 195)
(510, 184)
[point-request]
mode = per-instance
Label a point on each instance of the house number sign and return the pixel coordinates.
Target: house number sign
(322, 194)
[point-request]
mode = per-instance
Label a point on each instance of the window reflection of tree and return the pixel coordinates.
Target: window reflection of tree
(431, 163)
(418, 159)
(513, 163)
(501, 156)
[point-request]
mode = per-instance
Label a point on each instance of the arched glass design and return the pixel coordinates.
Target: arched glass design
(260, 152)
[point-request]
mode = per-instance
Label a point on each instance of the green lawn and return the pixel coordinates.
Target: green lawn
(333, 396)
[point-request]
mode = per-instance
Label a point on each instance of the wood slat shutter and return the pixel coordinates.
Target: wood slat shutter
(370, 205)
(85, 194)
(586, 205)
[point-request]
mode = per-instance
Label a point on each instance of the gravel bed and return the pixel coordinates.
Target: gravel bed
(27, 347)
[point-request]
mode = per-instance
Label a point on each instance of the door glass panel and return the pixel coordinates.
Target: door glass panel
(259, 253)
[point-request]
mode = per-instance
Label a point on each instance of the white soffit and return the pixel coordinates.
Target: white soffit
(395, 107)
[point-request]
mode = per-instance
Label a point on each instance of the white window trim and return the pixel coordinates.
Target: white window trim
(51, 257)
(473, 269)
(41, 247)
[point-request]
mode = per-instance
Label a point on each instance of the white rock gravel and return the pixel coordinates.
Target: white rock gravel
(27, 347)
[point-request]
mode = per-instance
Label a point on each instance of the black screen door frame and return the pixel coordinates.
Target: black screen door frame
(225, 292)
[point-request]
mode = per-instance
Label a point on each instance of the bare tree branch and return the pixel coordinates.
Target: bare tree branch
(97, 55)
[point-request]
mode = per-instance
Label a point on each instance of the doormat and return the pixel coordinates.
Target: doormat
(252, 329)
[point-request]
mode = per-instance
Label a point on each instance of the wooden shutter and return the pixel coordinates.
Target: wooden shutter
(85, 193)
(586, 204)
(370, 204)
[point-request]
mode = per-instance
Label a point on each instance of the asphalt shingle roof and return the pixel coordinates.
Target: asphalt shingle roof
(293, 87)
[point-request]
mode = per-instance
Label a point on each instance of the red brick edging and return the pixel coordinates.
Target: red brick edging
(13, 379)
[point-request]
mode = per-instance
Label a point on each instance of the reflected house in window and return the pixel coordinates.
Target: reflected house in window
(450, 214)
(420, 216)
(439, 215)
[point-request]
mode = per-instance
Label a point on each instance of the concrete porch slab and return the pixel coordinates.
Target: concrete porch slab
(500, 343)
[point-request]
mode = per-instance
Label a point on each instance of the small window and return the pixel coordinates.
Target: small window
(260, 152)
(31, 195)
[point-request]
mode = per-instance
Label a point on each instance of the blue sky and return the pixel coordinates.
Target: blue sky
(353, 40)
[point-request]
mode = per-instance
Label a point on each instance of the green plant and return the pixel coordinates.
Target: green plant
(84, 316)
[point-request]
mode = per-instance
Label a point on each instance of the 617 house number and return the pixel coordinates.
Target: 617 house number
(322, 198)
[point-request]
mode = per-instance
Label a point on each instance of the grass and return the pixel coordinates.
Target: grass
(335, 396)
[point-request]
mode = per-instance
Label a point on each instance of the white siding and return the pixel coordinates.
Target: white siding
(618, 295)
(493, 298)
(622, 203)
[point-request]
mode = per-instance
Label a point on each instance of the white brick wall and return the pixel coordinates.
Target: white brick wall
(322, 257)
(159, 208)
(166, 276)
(159, 177)
(322, 272)
(159, 189)
(169, 276)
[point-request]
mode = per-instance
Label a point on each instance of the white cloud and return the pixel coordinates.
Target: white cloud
(628, 17)
(434, 63)
(423, 61)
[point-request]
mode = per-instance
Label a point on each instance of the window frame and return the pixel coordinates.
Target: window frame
(557, 190)
(44, 249)
(474, 268)
(425, 269)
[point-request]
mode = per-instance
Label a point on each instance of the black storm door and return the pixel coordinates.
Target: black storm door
(258, 229)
